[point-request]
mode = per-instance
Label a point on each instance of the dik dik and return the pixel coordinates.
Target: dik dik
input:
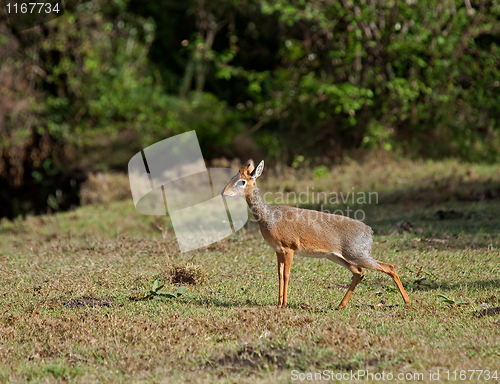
(290, 230)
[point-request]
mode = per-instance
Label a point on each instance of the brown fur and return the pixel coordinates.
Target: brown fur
(290, 230)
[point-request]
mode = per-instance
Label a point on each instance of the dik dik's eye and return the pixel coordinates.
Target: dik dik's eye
(241, 183)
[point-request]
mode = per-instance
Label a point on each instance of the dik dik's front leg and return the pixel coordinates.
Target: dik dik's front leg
(284, 264)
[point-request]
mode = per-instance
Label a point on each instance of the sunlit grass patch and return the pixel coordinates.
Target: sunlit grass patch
(60, 272)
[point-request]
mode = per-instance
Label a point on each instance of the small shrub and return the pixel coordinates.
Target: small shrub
(187, 274)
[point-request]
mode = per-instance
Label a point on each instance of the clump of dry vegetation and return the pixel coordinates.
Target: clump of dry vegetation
(187, 274)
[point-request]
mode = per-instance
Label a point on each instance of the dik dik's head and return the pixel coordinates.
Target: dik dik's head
(245, 178)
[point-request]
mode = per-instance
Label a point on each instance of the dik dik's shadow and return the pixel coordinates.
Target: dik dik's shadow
(243, 302)
(229, 302)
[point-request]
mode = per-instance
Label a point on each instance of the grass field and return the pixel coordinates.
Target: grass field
(67, 279)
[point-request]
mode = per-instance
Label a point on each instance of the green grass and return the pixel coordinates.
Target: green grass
(227, 327)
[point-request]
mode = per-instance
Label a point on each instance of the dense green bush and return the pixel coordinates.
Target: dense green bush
(421, 78)
(311, 79)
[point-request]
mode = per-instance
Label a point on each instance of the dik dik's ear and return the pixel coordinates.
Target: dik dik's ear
(250, 165)
(259, 170)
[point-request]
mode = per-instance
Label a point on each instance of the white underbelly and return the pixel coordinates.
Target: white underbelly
(318, 255)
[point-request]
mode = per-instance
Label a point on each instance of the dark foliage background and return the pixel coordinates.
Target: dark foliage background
(292, 80)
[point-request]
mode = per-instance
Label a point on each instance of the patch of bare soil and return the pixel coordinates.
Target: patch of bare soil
(488, 312)
(251, 357)
(84, 302)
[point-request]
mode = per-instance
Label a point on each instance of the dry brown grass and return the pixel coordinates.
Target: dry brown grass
(103, 188)
(395, 180)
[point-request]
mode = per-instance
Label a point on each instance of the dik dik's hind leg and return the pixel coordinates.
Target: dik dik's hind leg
(357, 275)
(389, 269)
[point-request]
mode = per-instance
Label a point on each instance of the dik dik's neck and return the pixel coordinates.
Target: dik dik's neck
(258, 206)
